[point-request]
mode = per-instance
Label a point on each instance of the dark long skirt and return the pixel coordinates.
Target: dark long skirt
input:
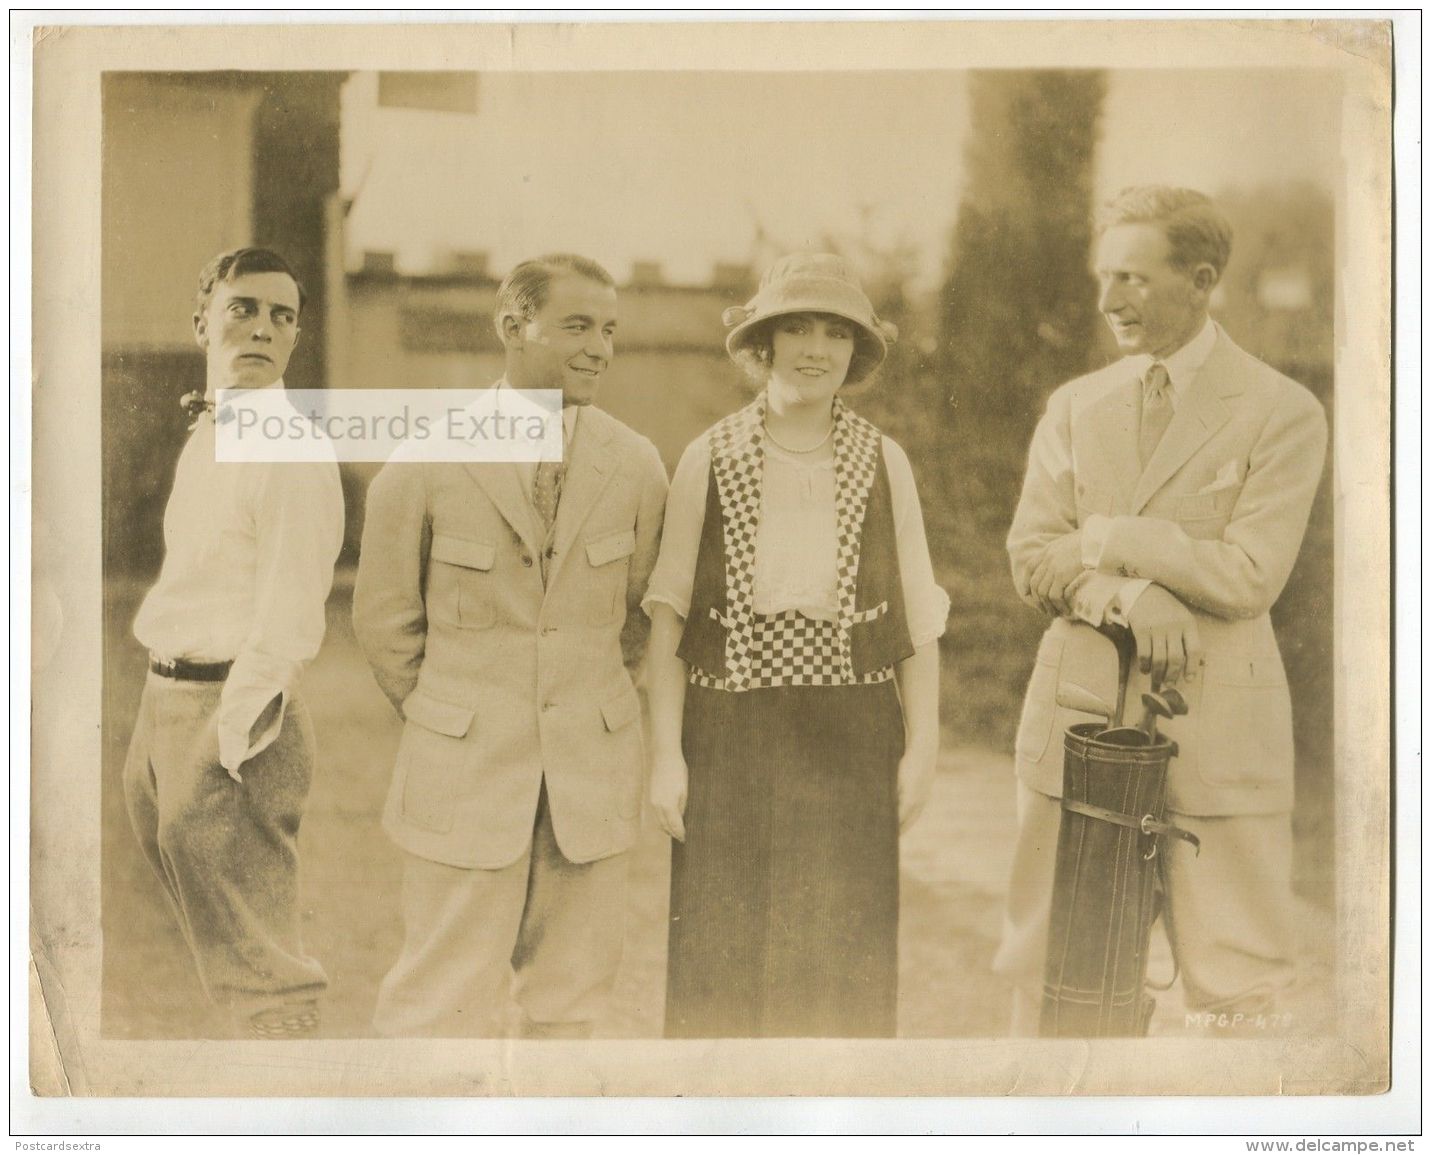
(785, 894)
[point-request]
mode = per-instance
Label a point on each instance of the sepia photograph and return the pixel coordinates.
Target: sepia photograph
(947, 655)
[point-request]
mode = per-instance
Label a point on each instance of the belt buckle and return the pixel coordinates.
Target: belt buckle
(165, 667)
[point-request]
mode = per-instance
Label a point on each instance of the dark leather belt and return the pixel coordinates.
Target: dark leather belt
(182, 671)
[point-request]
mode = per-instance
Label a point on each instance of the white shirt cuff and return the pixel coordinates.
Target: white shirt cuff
(1088, 597)
(1122, 604)
(252, 685)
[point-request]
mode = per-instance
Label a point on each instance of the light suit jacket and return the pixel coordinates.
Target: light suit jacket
(502, 681)
(1217, 518)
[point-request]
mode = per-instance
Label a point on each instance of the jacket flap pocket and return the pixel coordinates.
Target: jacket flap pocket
(611, 547)
(620, 710)
(435, 714)
(460, 551)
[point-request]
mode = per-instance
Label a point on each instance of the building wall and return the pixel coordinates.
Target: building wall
(670, 377)
(178, 180)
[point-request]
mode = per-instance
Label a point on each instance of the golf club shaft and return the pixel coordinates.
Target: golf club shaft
(1127, 647)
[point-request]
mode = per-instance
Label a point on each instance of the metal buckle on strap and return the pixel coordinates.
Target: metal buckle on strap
(1145, 825)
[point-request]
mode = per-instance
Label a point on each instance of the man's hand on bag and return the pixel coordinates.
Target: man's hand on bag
(1055, 571)
(669, 783)
(1168, 642)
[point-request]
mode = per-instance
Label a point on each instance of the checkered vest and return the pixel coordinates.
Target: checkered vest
(729, 646)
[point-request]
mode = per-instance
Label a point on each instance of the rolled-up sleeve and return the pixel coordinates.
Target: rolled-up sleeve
(926, 605)
(675, 573)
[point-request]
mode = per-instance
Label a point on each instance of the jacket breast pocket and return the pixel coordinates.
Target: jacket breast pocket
(432, 757)
(1243, 720)
(608, 560)
(1205, 515)
(461, 590)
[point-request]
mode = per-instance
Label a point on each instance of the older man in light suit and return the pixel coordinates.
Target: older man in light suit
(1169, 492)
(491, 602)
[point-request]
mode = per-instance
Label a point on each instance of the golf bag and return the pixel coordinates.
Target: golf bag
(1108, 873)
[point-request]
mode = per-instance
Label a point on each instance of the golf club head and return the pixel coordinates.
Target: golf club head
(1157, 704)
(1165, 703)
(1072, 696)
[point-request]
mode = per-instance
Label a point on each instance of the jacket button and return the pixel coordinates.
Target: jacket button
(527, 559)
(549, 629)
(547, 706)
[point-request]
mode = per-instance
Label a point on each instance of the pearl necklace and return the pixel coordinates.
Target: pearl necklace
(770, 433)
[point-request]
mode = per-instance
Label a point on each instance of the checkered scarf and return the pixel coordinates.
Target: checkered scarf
(738, 459)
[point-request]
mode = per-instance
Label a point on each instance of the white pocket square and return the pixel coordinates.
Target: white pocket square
(1226, 477)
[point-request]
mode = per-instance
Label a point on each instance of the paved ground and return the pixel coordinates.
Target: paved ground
(955, 863)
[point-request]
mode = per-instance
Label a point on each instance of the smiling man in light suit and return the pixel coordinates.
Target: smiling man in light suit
(498, 607)
(1169, 492)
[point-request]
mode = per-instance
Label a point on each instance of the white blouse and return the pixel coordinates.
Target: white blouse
(795, 548)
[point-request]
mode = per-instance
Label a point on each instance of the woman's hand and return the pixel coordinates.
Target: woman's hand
(914, 783)
(669, 782)
(918, 677)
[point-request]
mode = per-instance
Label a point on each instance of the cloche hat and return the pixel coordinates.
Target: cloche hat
(809, 283)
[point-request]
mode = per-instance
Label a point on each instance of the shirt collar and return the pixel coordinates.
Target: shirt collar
(1183, 365)
(569, 414)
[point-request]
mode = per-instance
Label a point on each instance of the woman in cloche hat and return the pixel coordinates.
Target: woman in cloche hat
(793, 677)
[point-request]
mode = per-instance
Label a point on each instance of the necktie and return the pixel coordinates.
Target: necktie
(546, 490)
(1157, 410)
(546, 496)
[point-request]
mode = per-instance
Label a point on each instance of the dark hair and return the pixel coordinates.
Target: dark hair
(1196, 229)
(526, 288)
(238, 262)
(757, 347)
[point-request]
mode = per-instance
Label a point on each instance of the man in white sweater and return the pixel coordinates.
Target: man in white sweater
(222, 755)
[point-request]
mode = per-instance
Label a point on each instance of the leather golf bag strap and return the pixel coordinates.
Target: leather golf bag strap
(1147, 824)
(1105, 887)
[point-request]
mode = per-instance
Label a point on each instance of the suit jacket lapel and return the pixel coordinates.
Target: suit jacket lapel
(590, 470)
(501, 482)
(1199, 414)
(1112, 423)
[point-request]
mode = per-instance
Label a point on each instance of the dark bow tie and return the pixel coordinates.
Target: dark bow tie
(195, 405)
